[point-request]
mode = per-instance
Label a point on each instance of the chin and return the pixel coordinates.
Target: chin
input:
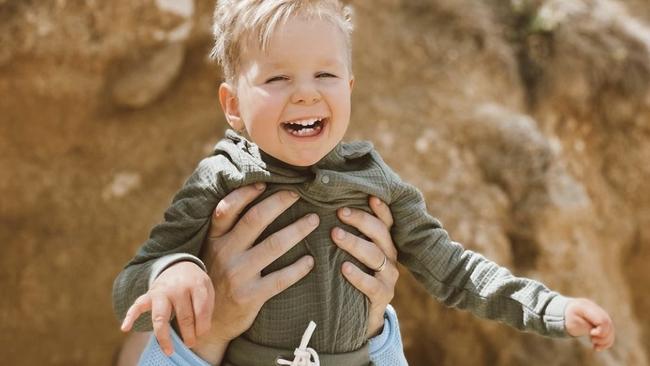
(304, 163)
(306, 160)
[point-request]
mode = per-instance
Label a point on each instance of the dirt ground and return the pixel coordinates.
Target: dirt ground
(526, 124)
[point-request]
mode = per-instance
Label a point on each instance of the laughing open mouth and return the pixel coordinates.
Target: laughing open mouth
(306, 127)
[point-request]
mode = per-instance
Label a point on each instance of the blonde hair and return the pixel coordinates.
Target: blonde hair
(238, 21)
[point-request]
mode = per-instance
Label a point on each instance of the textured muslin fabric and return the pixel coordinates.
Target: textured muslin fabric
(384, 350)
(346, 177)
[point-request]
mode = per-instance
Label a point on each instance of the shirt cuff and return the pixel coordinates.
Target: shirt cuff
(152, 355)
(389, 342)
(377, 342)
(182, 353)
(554, 318)
(163, 263)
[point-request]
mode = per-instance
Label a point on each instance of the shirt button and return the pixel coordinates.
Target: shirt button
(325, 179)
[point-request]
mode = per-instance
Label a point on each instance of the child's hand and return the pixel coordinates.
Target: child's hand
(185, 288)
(584, 317)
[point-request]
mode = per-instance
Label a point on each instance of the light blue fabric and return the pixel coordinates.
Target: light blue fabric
(385, 349)
(182, 356)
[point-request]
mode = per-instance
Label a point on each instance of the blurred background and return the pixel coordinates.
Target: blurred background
(525, 124)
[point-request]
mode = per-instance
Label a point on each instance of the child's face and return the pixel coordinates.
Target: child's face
(293, 99)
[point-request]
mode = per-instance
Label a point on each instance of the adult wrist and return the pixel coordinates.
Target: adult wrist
(386, 348)
(378, 330)
(379, 340)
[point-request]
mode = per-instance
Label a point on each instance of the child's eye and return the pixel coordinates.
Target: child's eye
(325, 75)
(276, 78)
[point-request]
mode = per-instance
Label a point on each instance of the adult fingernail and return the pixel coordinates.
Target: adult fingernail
(312, 219)
(345, 211)
(293, 194)
(260, 186)
(339, 233)
(377, 201)
(347, 268)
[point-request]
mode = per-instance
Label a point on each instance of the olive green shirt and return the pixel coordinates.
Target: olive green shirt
(346, 177)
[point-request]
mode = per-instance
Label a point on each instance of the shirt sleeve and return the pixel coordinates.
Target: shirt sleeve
(385, 349)
(182, 230)
(182, 356)
(464, 279)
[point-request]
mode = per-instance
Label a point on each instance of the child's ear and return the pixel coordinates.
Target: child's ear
(351, 82)
(230, 106)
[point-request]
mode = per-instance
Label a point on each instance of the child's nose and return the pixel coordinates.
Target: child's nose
(305, 94)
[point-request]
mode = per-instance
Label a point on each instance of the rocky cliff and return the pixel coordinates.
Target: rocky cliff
(525, 123)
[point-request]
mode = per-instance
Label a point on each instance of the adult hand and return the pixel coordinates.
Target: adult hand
(235, 265)
(379, 253)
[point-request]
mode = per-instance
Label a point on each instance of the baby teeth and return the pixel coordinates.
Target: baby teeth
(305, 122)
(306, 131)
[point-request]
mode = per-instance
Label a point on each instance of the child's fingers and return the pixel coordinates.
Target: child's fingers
(203, 304)
(185, 319)
(141, 305)
(598, 343)
(161, 311)
(601, 345)
(607, 327)
(594, 314)
(597, 331)
(603, 330)
(602, 337)
(608, 338)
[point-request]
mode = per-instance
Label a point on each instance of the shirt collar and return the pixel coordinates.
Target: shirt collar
(343, 152)
(252, 156)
